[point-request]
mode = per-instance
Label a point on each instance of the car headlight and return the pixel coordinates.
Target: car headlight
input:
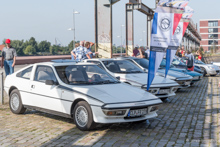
(154, 108)
(174, 89)
(171, 77)
(154, 90)
(196, 78)
(210, 67)
(114, 112)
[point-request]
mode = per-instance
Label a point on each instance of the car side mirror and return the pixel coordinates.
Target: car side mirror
(50, 82)
(118, 78)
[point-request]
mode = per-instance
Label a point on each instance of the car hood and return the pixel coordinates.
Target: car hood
(141, 79)
(115, 93)
(175, 74)
(191, 73)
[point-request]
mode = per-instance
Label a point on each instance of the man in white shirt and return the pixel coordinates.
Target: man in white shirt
(80, 53)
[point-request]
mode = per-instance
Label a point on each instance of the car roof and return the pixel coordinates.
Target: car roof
(63, 63)
(107, 59)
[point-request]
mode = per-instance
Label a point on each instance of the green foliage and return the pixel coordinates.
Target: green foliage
(44, 46)
(30, 50)
(32, 47)
(18, 45)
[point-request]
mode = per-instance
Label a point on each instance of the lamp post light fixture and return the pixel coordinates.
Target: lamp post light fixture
(73, 29)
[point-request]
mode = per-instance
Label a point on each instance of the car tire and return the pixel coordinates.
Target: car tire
(15, 102)
(204, 74)
(82, 115)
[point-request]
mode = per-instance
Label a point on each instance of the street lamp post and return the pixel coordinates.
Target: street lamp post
(143, 37)
(73, 29)
(121, 39)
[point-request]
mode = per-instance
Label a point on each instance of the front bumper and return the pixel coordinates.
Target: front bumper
(100, 117)
(163, 92)
(184, 83)
(211, 72)
(196, 79)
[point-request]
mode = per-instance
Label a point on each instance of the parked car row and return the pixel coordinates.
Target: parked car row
(96, 90)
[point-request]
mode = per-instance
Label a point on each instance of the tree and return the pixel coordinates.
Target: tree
(51, 50)
(30, 50)
(44, 46)
(18, 46)
(33, 43)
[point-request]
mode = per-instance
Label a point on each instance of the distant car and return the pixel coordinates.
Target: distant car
(182, 79)
(209, 69)
(196, 76)
(133, 75)
(81, 91)
(177, 63)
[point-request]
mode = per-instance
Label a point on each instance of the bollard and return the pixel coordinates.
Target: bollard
(2, 89)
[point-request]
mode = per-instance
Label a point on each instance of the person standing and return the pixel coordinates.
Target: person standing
(8, 58)
(199, 53)
(190, 61)
(88, 45)
(80, 53)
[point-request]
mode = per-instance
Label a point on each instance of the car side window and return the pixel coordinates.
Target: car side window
(97, 63)
(26, 74)
(44, 73)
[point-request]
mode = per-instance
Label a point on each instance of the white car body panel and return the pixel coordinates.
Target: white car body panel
(209, 71)
(59, 98)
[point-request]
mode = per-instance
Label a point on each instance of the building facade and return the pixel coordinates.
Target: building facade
(210, 30)
(191, 39)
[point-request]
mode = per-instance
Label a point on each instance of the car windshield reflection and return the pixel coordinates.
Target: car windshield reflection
(121, 66)
(84, 74)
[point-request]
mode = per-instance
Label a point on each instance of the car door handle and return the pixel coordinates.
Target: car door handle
(32, 86)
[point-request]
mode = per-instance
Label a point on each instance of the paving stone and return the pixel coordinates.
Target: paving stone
(190, 119)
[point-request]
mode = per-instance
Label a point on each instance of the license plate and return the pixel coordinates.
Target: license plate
(187, 83)
(139, 112)
(164, 91)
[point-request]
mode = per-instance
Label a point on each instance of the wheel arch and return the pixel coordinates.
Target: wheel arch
(11, 89)
(74, 104)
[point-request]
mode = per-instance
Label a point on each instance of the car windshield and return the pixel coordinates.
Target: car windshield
(163, 64)
(142, 62)
(199, 62)
(84, 74)
(177, 62)
(121, 66)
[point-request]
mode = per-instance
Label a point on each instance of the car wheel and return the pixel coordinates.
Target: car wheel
(83, 117)
(204, 74)
(15, 102)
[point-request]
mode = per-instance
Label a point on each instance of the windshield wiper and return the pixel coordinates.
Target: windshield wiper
(136, 71)
(80, 82)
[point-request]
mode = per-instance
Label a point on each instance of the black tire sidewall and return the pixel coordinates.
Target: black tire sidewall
(90, 124)
(21, 108)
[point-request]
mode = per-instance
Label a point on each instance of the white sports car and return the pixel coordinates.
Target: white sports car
(81, 91)
(131, 74)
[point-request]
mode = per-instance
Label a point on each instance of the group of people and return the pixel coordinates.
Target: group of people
(190, 57)
(141, 52)
(82, 51)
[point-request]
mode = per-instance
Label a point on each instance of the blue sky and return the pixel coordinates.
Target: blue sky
(50, 19)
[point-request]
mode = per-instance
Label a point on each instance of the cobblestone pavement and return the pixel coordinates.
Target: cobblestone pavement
(191, 118)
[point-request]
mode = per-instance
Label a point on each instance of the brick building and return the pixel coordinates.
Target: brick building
(210, 30)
